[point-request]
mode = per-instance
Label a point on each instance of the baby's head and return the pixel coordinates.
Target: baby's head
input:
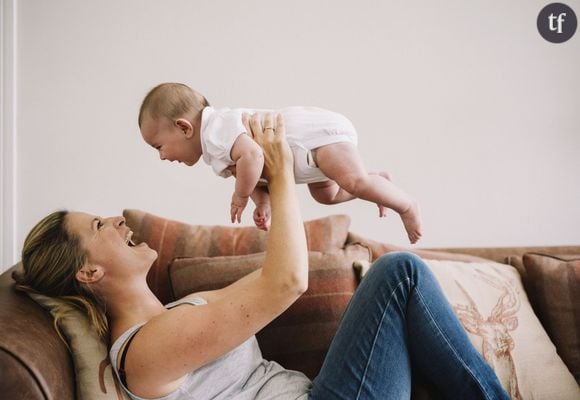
(169, 119)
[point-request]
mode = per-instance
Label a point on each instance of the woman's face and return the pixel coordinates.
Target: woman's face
(108, 244)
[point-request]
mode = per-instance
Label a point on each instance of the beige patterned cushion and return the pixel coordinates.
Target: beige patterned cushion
(491, 303)
(94, 377)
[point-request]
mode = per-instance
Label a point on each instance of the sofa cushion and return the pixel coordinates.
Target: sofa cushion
(299, 338)
(492, 305)
(172, 239)
(94, 375)
(554, 291)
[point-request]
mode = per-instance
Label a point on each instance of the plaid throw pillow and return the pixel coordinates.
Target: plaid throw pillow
(172, 239)
(300, 337)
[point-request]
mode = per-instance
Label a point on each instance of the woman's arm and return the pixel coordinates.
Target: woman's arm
(286, 254)
(189, 337)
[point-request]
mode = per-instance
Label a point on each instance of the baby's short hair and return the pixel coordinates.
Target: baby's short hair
(172, 101)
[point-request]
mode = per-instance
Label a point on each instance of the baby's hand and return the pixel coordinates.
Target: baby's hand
(262, 216)
(237, 207)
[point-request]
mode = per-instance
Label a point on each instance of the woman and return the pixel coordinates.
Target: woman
(203, 346)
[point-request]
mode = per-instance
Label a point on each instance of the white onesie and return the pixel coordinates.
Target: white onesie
(307, 128)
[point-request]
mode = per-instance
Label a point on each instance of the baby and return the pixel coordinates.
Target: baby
(182, 126)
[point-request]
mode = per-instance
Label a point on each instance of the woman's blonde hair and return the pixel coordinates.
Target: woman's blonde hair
(51, 257)
(172, 101)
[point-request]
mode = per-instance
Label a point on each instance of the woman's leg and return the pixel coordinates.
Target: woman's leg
(398, 317)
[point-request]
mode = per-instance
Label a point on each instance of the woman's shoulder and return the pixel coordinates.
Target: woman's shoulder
(123, 336)
(120, 340)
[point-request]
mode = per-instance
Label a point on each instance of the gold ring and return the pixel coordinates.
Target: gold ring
(270, 128)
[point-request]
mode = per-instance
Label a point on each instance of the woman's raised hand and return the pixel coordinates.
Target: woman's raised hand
(270, 134)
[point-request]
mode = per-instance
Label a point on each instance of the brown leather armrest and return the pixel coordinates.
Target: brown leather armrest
(34, 362)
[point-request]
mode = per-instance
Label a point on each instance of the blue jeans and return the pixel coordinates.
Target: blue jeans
(399, 320)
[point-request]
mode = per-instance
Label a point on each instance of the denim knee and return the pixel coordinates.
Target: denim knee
(400, 264)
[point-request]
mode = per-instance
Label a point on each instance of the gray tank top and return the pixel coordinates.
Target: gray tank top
(241, 374)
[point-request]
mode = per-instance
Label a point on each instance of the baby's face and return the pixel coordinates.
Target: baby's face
(168, 139)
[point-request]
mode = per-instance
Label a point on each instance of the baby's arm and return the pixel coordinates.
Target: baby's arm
(249, 160)
(262, 213)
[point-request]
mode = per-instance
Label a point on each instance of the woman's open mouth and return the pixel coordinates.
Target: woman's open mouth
(128, 240)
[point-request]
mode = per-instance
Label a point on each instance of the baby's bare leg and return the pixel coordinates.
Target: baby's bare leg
(387, 176)
(329, 192)
(341, 163)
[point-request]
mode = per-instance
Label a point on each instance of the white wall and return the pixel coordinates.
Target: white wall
(469, 108)
(8, 57)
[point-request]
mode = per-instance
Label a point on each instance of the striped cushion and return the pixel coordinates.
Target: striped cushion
(554, 293)
(299, 338)
(172, 239)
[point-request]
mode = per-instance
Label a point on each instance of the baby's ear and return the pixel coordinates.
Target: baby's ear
(185, 126)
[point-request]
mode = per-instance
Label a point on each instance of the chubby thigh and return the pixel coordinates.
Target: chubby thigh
(309, 129)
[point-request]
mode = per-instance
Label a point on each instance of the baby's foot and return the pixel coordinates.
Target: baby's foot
(383, 209)
(412, 221)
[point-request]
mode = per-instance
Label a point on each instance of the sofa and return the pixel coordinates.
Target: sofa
(36, 364)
